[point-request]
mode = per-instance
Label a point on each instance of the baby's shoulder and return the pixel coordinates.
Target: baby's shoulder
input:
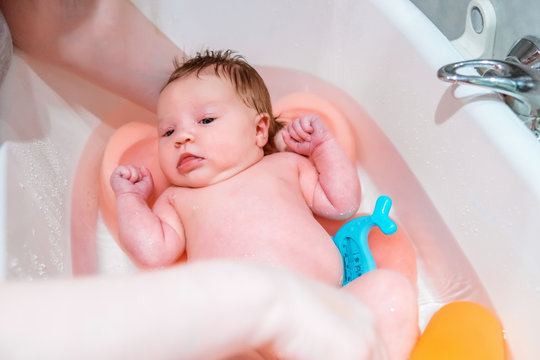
(285, 157)
(288, 161)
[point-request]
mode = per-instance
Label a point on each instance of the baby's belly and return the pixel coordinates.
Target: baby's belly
(274, 227)
(325, 264)
(313, 254)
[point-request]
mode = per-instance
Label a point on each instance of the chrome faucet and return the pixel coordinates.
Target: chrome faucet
(517, 78)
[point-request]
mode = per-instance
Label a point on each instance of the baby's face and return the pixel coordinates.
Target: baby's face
(206, 132)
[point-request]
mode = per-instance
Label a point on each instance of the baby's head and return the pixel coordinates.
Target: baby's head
(246, 81)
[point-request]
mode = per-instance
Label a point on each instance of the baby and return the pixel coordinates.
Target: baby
(234, 196)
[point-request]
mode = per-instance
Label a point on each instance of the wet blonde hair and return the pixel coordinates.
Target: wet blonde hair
(246, 81)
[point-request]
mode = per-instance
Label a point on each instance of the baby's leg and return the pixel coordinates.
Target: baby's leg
(394, 300)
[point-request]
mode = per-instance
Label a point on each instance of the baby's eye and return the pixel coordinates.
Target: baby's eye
(168, 133)
(206, 121)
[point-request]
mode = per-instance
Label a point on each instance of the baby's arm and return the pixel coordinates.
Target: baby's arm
(152, 237)
(330, 183)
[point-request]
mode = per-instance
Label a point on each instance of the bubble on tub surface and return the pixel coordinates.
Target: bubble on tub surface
(38, 267)
(15, 269)
(43, 185)
(29, 267)
(14, 263)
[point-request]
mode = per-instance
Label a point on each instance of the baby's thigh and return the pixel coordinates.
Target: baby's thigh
(383, 288)
(393, 299)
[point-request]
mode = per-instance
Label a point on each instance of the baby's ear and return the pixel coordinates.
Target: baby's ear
(262, 123)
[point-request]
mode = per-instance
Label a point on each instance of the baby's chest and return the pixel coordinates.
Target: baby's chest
(234, 199)
(237, 205)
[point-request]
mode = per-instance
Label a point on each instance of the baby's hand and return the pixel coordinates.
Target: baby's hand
(304, 134)
(129, 179)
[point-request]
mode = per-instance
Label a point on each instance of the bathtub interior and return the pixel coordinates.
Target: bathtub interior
(418, 141)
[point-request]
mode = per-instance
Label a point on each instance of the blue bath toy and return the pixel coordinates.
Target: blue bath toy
(352, 239)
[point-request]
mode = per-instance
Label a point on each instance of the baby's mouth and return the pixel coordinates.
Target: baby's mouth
(188, 162)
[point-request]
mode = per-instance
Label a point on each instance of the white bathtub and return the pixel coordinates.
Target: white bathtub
(461, 171)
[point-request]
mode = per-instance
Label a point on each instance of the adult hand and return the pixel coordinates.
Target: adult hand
(202, 310)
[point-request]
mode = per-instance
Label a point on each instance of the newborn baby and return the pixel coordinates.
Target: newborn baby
(233, 196)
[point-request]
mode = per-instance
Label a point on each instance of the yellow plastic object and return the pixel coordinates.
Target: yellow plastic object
(461, 331)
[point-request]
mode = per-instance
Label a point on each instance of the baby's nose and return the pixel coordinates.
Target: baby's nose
(183, 136)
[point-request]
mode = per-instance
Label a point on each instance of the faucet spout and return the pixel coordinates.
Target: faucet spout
(506, 77)
(517, 78)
